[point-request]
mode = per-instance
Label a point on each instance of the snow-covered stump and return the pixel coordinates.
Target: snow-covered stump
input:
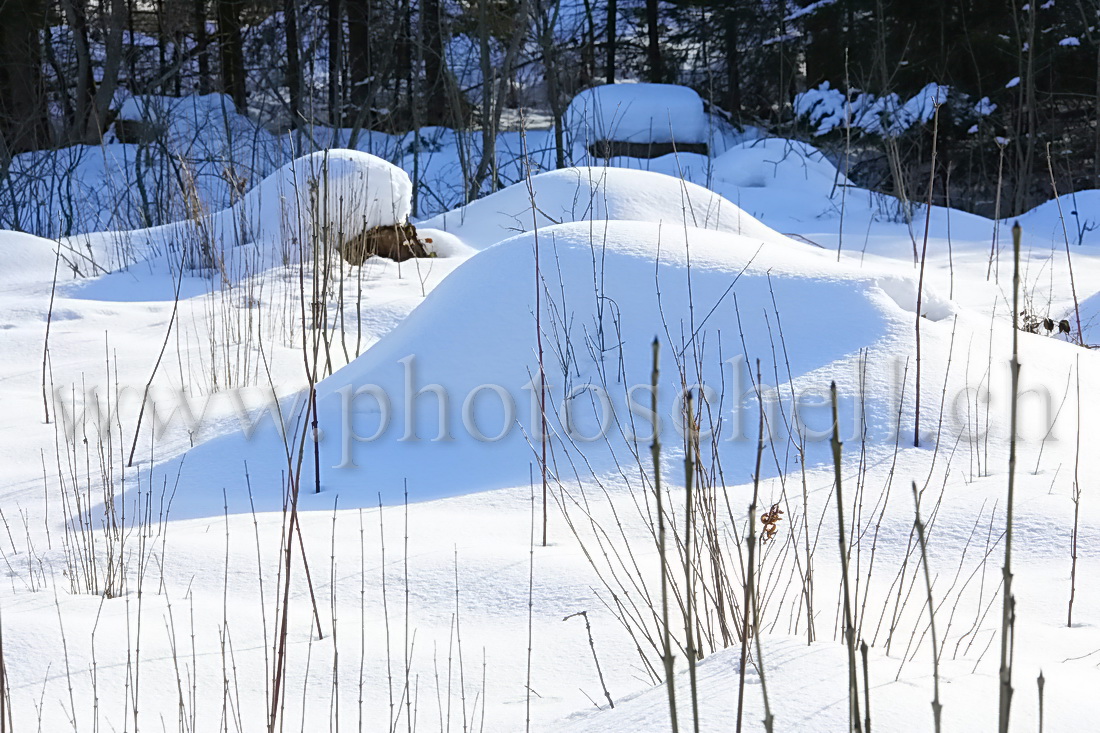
(637, 121)
(334, 196)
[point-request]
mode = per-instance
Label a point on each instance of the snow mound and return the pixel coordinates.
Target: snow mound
(644, 113)
(335, 193)
(26, 258)
(162, 109)
(341, 191)
(780, 163)
(1089, 310)
(1078, 212)
(594, 194)
(472, 347)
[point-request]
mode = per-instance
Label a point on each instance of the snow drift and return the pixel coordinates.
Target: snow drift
(473, 346)
(332, 194)
(597, 194)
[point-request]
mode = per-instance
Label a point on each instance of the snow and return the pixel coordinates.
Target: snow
(25, 258)
(826, 109)
(985, 107)
(764, 251)
(592, 195)
(642, 113)
(455, 340)
(336, 193)
(780, 163)
(823, 107)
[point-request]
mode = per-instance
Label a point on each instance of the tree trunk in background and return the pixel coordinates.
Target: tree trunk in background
(546, 12)
(24, 124)
(488, 133)
(435, 83)
(359, 54)
(1030, 119)
(488, 168)
(231, 50)
(733, 62)
(656, 64)
(1096, 138)
(403, 118)
(588, 47)
(293, 63)
(612, 40)
(85, 80)
(202, 47)
(92, 100)
(335, 57)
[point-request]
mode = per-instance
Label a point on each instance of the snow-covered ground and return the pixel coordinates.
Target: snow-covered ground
(147, 550)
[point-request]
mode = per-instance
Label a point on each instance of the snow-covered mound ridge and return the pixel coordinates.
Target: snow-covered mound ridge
(789, 164)
(605, 297)
(641, 113)
(26, 259)
(341, 191)
(331, 194)
(597, 194)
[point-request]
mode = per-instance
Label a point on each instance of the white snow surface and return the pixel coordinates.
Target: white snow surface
(427, 573)
(786, 164)
(344, 192)
(640, 113)
(596, 194)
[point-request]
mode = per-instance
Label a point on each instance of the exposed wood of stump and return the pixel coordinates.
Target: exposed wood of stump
(622, 149)
(139, 132)
(397, 242)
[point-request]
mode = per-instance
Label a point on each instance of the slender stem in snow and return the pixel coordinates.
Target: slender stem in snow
(1008, 609)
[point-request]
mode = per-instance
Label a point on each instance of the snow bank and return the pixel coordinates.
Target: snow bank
(162, 109)
(1079, 212)
(596, 194)
(340, 191)
(779, 163)
(608, 293)
(25, 258)
(336, 193)
(654, 113)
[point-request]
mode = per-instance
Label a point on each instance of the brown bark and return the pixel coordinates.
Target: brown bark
(23, 119)
(656, 63)
(435, 82)
(360, 59)
(231, 50)
(293, 62)
(612, 39)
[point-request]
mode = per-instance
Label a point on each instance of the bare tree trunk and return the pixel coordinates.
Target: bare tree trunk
(612, 38)
(92, 101)
(656, 63)
(1024, 174)
(293, 63)
(436, 109)
(202, 47)
(24, 124)
(335, 52)
(588, 47)
(231, 50)
(488, 167)
(546, 11)
(1096, 140)
(85, 81)
(733, 62)
(359, 51)
(488, 133)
